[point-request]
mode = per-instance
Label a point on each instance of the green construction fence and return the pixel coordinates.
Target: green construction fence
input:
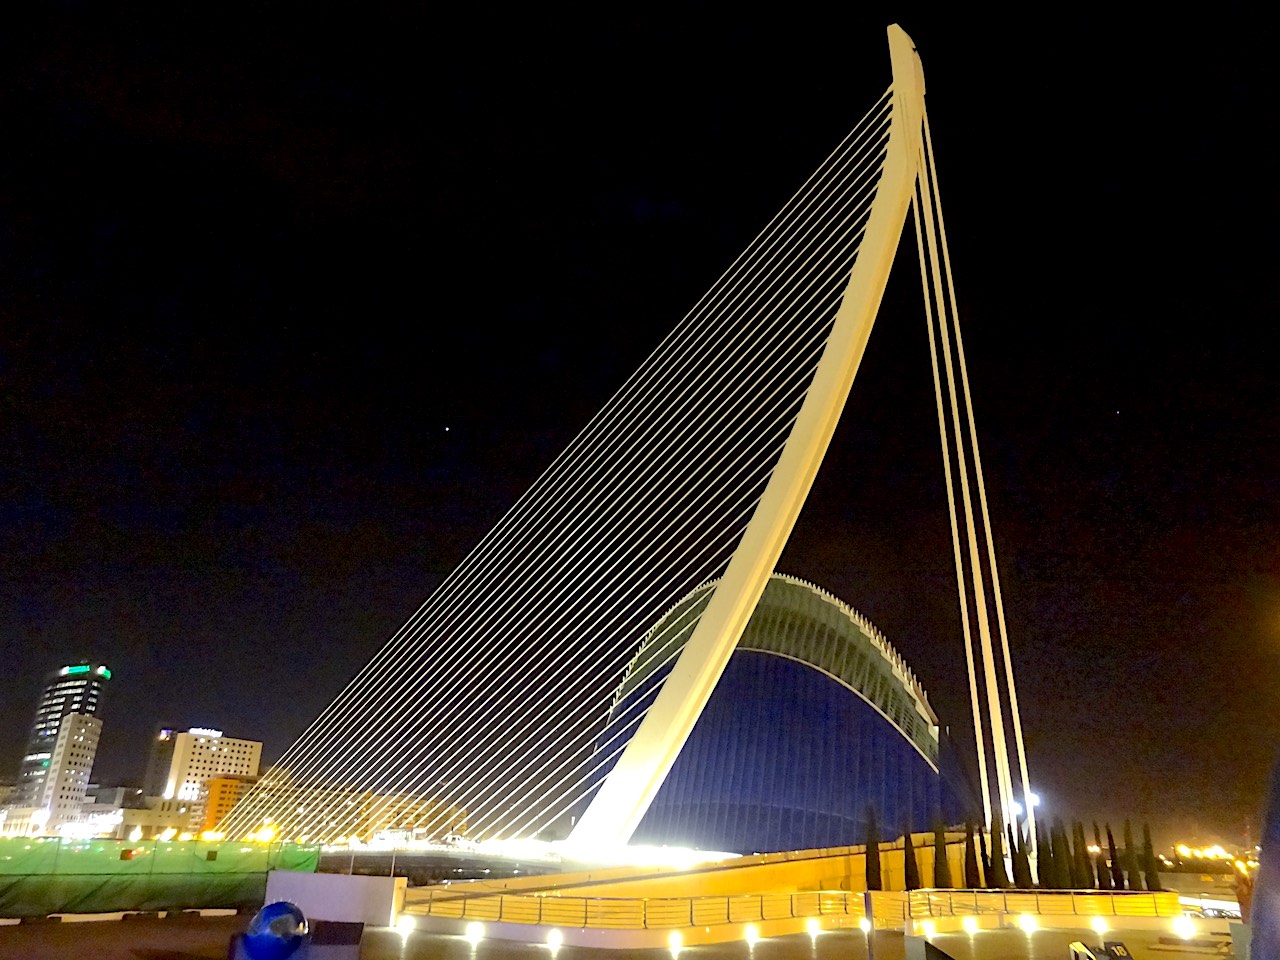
(44, 875)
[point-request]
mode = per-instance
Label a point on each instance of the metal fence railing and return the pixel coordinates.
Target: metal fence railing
(641, 913)
(888, 908)
(962, 903)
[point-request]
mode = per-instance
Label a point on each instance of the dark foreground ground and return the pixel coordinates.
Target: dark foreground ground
(206, 938)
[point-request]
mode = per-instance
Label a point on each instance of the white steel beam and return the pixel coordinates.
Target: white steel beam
(626, 794)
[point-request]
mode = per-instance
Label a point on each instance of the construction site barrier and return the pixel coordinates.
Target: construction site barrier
(46, 875)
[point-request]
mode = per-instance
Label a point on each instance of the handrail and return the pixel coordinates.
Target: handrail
(888, 907)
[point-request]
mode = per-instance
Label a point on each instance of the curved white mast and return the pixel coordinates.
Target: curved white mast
(626, 794)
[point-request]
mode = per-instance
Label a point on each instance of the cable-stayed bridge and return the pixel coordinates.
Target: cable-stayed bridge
(490, 711)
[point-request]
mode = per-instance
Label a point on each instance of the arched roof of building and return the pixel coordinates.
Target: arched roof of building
(800, 621)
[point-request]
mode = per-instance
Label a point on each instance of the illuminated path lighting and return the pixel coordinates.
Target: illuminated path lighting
(488, 707)
(813, 928)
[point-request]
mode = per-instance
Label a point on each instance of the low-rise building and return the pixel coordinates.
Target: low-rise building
(160, 818)
(221, 795)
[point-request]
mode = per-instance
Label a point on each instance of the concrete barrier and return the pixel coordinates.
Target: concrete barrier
(375, 901)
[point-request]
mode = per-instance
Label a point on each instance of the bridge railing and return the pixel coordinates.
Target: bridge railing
(641, 913)
(966, 903)
(889, 908)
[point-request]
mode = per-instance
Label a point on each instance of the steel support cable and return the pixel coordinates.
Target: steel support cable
(975, 562)
(393, 725)
(1015, 716)
(540, 719)
(551, 758)
(781, 434)
(750, 476)
(979, 733)
(767, 229)
(545, 775)
(654, 680)
(481, 807)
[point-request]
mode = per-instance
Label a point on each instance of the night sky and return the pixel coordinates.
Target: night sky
(295, 304)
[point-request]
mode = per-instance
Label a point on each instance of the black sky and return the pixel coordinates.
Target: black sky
(294, 303)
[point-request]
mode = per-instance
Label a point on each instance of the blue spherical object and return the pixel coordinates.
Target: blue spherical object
(276, 932)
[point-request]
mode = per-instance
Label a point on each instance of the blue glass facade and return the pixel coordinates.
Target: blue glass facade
(815, 720)
(786, 758)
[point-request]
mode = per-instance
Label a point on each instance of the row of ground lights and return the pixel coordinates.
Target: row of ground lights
(1183, 927)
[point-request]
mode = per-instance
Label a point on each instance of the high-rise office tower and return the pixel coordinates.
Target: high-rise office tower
(72, 761)
(73, 689)
(160, 759)
(182, 764)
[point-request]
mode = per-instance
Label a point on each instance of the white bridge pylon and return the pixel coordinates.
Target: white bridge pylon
(626, 794)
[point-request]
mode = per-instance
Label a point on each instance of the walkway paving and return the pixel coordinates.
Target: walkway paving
(207, 938)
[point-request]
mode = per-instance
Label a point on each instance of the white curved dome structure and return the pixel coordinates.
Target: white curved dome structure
(816, 720)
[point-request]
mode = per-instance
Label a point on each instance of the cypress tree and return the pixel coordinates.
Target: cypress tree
(972, 879)
(1131, 858)
(998, 877)
(986, 857)
(1044, 854)
(1104, 872)
(910, 868)
(873, 851)
(1150, 868)
(1082, 857)
(1117, 875)
(1022, 863)
(1075, 881)
(941, 868)
(1061, 857)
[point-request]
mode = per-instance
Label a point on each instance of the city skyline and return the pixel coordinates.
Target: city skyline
(228, 458)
